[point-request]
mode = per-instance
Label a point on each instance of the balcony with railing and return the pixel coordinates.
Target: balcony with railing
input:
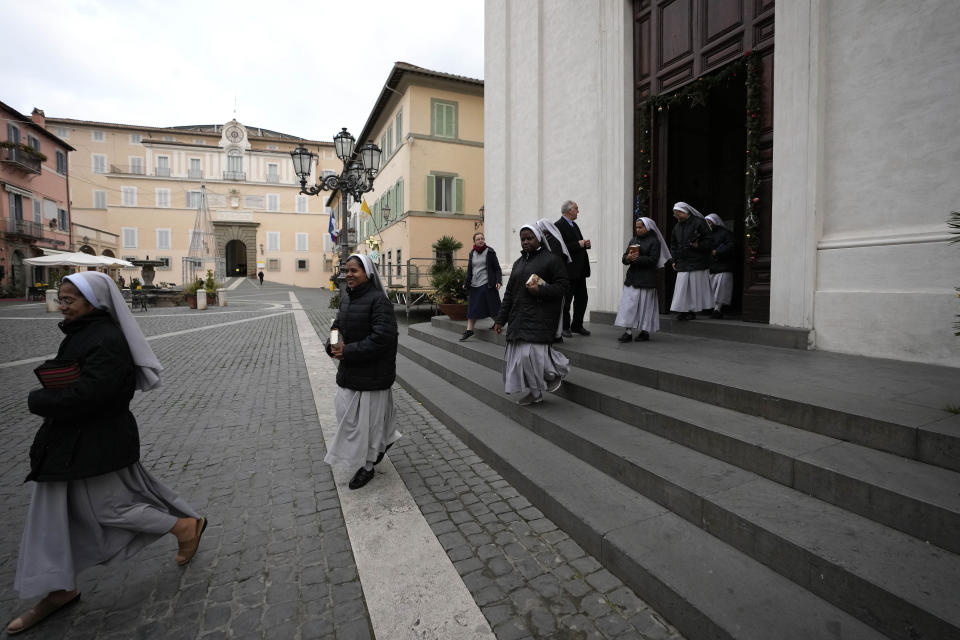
(162, 172)
(126, 170)
(234, 175)
(26, 229)
(195, 174)
(273, 179)
(20, 159)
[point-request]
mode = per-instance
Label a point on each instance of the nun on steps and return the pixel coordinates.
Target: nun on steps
(690, 244)
(530, 310)
(553, 240)
(93, 501)
(364, 342)
(639, 311)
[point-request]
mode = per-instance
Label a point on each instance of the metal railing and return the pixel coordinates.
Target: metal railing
(22, 159)
(234, 175)
(273, 179)
(25, 228)
(163, 172)
(195, 174)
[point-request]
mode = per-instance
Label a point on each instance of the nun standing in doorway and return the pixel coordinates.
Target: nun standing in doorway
(364, 341)
(690, 244)
(721, 265)
(93, 501)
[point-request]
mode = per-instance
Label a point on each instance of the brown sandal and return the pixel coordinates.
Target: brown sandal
(40, 612)
(189, 548)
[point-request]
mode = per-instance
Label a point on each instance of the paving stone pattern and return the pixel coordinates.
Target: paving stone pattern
(234, 430)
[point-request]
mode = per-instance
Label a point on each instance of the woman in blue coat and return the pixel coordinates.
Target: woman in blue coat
(483, 283)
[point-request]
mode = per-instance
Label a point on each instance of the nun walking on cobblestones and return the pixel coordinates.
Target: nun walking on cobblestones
(363, 338)
(93, 501)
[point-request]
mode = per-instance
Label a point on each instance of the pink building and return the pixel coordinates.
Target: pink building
(34, 202)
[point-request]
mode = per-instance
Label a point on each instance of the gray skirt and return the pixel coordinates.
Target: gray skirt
(639, 309)
(75, 524)
(364, 427)
(722, 285)
(528, 363)
(692, 291)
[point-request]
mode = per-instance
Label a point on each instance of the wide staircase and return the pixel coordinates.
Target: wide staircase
(743, 490)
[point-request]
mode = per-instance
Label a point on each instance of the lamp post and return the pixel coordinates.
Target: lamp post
(360, 167)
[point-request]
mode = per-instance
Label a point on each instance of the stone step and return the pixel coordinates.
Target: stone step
(913, 497)
(758, 516)
(888, 405)
(706, 588)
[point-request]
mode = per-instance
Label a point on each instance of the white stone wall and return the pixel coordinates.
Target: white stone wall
(559, 126)
(866, 159)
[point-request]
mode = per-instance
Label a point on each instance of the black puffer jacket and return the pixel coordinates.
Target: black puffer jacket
(723, 245)
(642, 273)
(528, 317)
(88, 429)
(368, 328)
(689, 258)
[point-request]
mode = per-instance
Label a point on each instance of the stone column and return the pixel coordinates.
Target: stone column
(52, 306)
(222, 297)
(201, 299)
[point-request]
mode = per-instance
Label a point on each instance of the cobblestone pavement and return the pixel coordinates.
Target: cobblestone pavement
(234, 430)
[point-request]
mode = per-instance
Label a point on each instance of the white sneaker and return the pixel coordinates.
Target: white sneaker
(529, 399)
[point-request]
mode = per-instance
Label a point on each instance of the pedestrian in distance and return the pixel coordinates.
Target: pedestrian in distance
(363, 339)
(639, 311)
(530, 311)
(93, 501)
(690, 244)
(578, 269)
(553, 241)
(260, 275)
(482, 283)
(722, 260)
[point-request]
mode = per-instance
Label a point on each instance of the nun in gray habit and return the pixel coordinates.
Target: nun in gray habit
(366, 349)
(93, 501)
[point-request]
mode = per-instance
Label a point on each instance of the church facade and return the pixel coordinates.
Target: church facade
(825, 133)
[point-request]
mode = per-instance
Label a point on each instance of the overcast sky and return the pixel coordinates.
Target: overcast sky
(305, 68)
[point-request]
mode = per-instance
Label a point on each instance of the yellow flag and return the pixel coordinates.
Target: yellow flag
(365, 208)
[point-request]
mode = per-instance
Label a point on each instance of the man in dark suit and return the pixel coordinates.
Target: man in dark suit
(578, 269)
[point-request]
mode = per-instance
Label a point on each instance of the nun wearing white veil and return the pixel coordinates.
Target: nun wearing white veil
(93, 501)
(365, 344)
(553, 240)
(722, 264)
(639, 311)
(690, 244)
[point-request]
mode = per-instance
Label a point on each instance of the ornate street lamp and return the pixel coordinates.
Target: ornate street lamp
(359, 171)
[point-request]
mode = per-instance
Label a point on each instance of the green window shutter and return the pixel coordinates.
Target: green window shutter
(451, 121)
(431, 195)
(458, 195)
(399, 127)
(437, 119)
(399, 196)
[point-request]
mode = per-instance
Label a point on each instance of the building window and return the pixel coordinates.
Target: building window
(33, 143)
(398, 125)
(49, 210)
(302, 203)
(273, 202)
(302, 242)
(273, 241)
(444, 121)
(399, 263)
(444, 193)
(273, 173)
(273, 264)
(37, 211)
(163, 166)
(136, 165)
(164, 263)
(163, 198)
(61, 163)
(195, 170)
(62, 219)
(129, 235)
(302, 264)
(99, 163)
(16, 206)
(194, 199)
(99, 136)
(163, 238)
(13, 133)
(235, 163)
(99, 199)
(389, 150)
(63, 132)
(128, 196)
(136, 138)
(328, 264)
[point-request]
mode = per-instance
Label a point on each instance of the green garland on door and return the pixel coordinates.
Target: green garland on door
(743, 69)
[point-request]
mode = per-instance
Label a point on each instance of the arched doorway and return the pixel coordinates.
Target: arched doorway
(236, 259)
(87, 249)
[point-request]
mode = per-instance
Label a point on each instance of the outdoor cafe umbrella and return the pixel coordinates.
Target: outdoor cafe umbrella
(76, 259)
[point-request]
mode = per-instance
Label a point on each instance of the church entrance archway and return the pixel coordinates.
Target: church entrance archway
(236, 259)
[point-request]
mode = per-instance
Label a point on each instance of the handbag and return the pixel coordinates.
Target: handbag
(57, 374)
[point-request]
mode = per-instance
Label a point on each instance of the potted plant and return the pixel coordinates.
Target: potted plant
(447, 280)
(210, 286)
(190, 293)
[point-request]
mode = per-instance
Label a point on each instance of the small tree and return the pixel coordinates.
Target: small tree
(446, 279)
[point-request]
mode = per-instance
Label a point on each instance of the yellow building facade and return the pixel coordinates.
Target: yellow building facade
(153, 187)
(429, 126)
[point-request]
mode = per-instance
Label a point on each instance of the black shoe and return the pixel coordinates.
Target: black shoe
(643, 336)
(566, 333)
(717, 314)
(684, 316)
(581, 331)
(466, 334)
(381, 454)
(360, 478)
(626, 337)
